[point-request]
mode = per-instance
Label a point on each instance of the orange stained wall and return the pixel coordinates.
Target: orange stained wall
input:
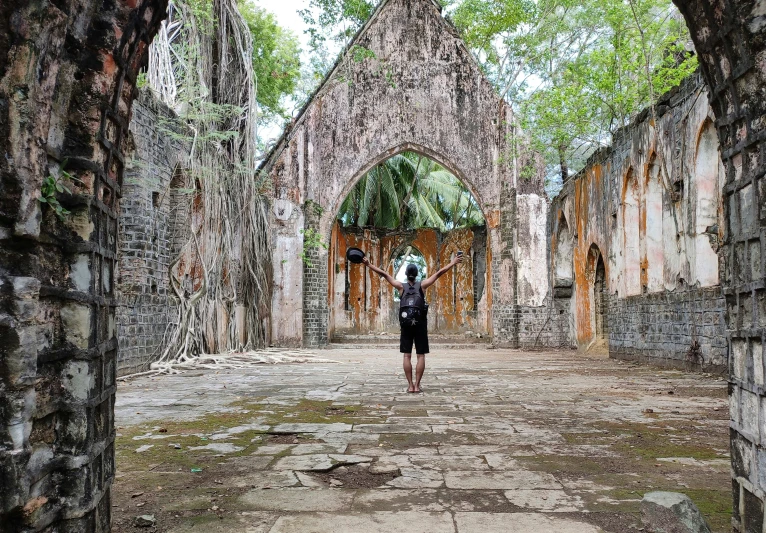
(371, 307)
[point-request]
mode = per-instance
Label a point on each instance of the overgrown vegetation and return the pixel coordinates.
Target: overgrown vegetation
(53, 186)
(410, 191)
(202, 65)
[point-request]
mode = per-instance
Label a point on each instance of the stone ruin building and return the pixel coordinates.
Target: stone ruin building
(656, 251)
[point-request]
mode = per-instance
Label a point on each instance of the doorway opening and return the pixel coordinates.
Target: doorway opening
(599, 298)
(408, 209)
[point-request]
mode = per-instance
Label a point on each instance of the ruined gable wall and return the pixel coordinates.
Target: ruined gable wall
(423, 92)
(153, 225)
(651, 204)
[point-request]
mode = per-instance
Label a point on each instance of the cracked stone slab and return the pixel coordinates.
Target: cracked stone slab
(376, 522)
(519, 523)
(219, 447)
(505, 480)
(336, 427)
(450, 462)
(545, 500)
(417, 478)
(392, 428)
(297, 499)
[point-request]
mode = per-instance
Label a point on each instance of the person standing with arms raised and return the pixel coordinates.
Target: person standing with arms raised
(413, 315)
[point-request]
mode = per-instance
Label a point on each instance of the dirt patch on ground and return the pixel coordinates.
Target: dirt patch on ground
(354, 477)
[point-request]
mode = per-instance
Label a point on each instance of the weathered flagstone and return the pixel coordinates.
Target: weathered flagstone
(298, 499)
(501, 441)
(519, 523)
(545, 500)
(376, 522)
(511, 479)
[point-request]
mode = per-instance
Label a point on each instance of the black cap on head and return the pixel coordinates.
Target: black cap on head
(411, 272)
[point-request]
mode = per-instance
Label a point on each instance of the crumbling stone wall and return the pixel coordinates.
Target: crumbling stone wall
(417, 89)
(153, 226)
(67, 77)
(650, 205)
(684, 328)
(730, 39)
(361, 302)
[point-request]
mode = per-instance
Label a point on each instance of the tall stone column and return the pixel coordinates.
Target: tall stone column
(730, 38)
(67, 82)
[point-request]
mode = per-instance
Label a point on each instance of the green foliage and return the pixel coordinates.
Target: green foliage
(141, 80)
(312, 240)
(360, 53)
(335, 20)
(276, 57)
(51, 187)
(410, 191)
(576, 70)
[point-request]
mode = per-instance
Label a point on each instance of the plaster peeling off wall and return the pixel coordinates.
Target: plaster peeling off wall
(532, 250)
(287, 298)
(651, 205)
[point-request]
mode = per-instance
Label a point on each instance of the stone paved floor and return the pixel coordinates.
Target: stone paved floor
(501, 441)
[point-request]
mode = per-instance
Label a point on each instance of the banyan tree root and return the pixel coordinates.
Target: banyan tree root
(238, 360)
(224, 270)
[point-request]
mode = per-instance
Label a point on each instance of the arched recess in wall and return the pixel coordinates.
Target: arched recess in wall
(599, 297)
(563, 260)
(655, 254)
(631, 236)
(706, 198)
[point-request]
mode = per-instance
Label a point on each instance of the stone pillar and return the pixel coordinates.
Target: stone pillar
(730, 38)
(67, 77)
(316, 309)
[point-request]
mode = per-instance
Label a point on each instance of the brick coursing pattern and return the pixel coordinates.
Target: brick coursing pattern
(149, 235)
(730, 41)
(69, 69)
(681, 328)
(545, 327)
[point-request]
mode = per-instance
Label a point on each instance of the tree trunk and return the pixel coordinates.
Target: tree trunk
(563, 162)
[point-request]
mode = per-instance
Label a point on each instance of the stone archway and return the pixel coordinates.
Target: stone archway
(419, 90)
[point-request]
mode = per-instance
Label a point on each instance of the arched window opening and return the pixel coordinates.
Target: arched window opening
(564, 257)
(631, 220)
(599, 297)
(706, 199)
(409, 209)
(410, 191)
(410, 256)
(655, 254)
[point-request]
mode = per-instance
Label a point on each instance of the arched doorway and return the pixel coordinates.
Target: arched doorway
(408, 208)
(599, 300)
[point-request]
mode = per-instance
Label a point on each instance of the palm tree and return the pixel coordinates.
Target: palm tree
(410, 191)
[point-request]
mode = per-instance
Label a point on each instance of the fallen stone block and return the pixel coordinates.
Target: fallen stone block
(671, 512)
(145, 520)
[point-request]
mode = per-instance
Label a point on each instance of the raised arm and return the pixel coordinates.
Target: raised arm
(431, 280)
(389, 278)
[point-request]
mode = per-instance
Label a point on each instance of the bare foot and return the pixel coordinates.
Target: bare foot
(417, 389)
(412, 389)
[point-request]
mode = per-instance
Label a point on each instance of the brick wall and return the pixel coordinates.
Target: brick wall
(681, 328)
(150, 233)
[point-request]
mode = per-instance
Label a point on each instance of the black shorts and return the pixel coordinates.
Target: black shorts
(417, 334)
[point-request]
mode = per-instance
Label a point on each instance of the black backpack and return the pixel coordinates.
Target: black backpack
(413, 308)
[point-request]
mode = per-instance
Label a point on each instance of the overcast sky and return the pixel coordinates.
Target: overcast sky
(287, 15)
